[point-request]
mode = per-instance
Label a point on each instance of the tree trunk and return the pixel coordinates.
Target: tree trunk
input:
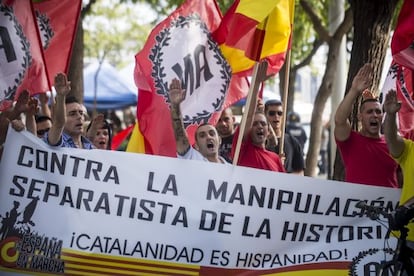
(372, 25)
(291, 87)
(76, 65)
(324, 92)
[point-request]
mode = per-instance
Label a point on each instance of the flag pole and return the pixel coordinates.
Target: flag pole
(259, 74)
(284, 105)
(259, 71)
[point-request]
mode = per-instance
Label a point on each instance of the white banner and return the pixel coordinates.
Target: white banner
(92, 211)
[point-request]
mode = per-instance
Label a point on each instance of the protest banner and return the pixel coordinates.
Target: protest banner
(96, 212)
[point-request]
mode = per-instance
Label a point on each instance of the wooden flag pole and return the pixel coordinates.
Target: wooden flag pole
(259, 72)
(284, 105)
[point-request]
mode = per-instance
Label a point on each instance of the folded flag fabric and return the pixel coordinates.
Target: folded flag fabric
(22, 62)
(57, 21)
(402, 43)
(255, 30)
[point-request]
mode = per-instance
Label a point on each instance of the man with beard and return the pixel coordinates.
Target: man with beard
(207, 140)
(364, 153)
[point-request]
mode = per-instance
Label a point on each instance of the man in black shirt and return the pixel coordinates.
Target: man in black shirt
(225, 128)
(293, 152)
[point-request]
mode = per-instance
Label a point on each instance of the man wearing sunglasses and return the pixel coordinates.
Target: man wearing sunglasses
(293, 152)
(43, 125)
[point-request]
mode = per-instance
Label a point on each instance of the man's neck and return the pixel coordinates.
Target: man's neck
(214, 159)
(77, 139)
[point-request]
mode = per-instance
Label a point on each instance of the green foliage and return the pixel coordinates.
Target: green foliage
(303, 31)
(121, 39)
(112, 31)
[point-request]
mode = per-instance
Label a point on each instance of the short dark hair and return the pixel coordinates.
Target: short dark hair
(272, 103)
(42, 118)
(71, 99)
(201, 125)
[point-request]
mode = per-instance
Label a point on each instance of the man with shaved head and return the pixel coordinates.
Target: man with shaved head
(207, 140)
(364, 153)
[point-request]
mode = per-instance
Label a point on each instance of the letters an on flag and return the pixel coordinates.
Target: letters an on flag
(181, 47)
(57, 21)
(21, 57)
(402, 43)
(255, 30)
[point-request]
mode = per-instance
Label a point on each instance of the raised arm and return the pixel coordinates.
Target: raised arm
(176, 98)
(361, 81)
(30, 115)
(395, 142)
(44, 105)
(97, 123)
(62, 86)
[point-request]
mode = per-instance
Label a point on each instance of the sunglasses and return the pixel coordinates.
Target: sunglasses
(41, 132)
(273, 113)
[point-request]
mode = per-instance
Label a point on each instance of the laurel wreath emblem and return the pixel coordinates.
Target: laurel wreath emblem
(357, 260)
(158, 71)
(45, 28)
(27, 58)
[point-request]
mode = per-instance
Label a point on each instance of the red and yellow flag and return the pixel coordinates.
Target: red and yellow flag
(57, 21)
(254, 30)
(181, 47)
(22, 65)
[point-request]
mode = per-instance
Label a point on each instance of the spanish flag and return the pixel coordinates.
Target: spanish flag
(254, 30)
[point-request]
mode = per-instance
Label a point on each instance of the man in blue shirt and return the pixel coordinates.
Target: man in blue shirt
(68, 119)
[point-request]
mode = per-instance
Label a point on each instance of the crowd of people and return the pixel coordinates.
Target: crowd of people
(64, 124)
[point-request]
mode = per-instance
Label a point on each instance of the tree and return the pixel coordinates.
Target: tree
(334, 42)
(97, 39)
(372, 26)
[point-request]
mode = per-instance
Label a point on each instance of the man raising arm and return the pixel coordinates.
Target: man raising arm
(206, 136)
(364, 152)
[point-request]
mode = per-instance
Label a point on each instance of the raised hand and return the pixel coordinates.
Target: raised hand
(43, 98)
(62, 85)
(391, 104)
(22, 102)
(176, 94)
(363, 79)
(97, 123)
(32, 106)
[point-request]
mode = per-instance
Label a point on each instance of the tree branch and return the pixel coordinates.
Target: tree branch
(316, 44)
(317, 23)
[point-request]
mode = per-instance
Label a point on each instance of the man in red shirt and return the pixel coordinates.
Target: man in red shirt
(253, 152)
(364, 153)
